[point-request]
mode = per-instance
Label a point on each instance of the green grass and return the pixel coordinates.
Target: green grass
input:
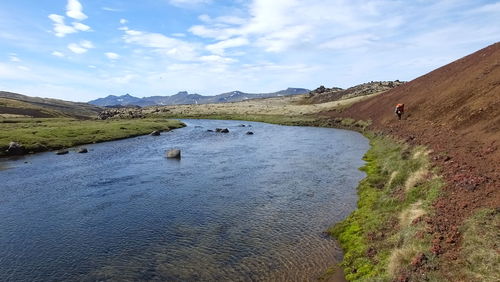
(378, 239)
(480, 248)
(37, 134)
(302, 120)
(274, 119)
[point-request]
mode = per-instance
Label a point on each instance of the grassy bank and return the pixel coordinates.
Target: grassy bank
(303, 120)
(386, 238)
(39, 134)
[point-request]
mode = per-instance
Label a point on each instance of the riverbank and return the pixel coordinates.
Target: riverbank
(391, 234)
(45, 134)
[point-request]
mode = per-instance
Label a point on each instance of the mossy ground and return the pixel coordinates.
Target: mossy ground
(42, 134)
(386, 234)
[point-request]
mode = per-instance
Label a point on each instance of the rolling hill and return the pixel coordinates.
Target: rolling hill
(323, 94)
(455, 112)
(17, 105)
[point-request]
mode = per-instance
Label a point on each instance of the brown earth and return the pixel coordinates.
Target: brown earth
(455, 112)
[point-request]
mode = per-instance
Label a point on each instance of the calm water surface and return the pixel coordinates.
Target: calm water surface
(236, 207)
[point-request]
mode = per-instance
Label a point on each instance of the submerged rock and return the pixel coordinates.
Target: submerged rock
(249, 133)
(62, 152)
(174, 154)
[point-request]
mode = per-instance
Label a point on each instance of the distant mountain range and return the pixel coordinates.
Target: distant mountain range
(186, 98)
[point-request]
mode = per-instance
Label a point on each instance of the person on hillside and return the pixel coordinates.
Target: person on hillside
(400, 109)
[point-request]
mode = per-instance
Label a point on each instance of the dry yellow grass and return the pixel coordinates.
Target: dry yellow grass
(284, 106)
(409, 215)
(416, 177)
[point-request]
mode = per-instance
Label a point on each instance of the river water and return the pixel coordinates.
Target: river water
(236, 207)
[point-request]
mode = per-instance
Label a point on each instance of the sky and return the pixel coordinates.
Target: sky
(80, 50)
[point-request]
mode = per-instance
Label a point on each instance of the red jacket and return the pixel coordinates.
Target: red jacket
(400, 108)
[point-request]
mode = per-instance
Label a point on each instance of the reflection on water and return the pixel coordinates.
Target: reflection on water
(236, 207)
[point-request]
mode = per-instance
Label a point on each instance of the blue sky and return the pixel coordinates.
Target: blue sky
(80, 50)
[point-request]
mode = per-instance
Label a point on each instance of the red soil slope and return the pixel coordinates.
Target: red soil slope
(455, 111)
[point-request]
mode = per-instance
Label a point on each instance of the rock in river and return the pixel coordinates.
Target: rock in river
(155, 133)
(249, 133)
(62, 152)
(82, 150)
(174, 154)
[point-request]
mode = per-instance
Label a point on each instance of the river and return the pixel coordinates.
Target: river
(236, 207)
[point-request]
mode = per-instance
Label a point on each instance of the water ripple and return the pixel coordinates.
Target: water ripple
(235, 208)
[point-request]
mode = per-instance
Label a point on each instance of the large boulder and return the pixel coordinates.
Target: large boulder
(174, 154)
(15, 149)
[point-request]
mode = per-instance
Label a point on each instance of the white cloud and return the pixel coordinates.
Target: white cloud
(57, 54)
(217, 59)
(219, 47)
(14, 58)
(172, 47)
(109, 9)
(60, 28)
(205, 18)
(81, 47)
(86, 44)
(123, 21)
(77, 49)
(350, 41)
(179, 34)
(187, 3)
(279, 25)
(24, 68)
(81, 27)
(125, 79)
(75, 10)
(112, 56)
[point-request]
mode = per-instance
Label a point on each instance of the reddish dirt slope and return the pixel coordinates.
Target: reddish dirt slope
(455, 111)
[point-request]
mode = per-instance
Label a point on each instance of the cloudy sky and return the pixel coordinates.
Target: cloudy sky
(84, 49)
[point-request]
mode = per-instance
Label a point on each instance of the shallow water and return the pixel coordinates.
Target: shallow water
(235, 207)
